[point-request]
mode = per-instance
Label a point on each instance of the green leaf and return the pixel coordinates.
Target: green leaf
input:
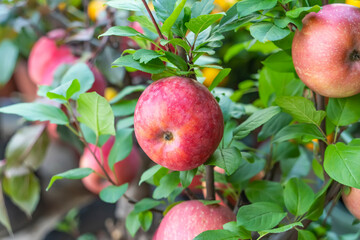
(274, 125)
(281, 229)
(186, 177)
(149, 173)
(24, 191)
(295, 13)
(219, 77)
(301, 109)
(132, 223)
(122, 146)
(306, 235)
(121, 31)
(265, 191)
(202, 8)
(126, 91)
(9, 53)
(154, 66)
(90, 136)
(177, 61)
(83, 74)
(280, 62)
(76, 173)
(341, 163)
(96, 113)
(274, 84)
(247, 7)
(344, 111)
(145, 219)
(202, 22)
(304, 132)
(145, 56)
(266, 31)
(124, 107)
(318, 169)
(167, 185)
(219, 234)
(37, 112)
(125, 123)
(255, 120)
(259, 216)
(164, 8)
(317, 206)
(170, 21)
(298, 196)
(247, 170)
(177, 42)
(27, 147)
(65, 91)
(111, 194)
(144, 21)
(4, 218)
(241, 231)
(146, 204)
(228, 159)
(126, 5)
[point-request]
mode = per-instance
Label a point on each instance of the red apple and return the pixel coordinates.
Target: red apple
(352, 201)
(46, 56)
(125, 170)
(326, 52)
(188, 219)
(178, 123)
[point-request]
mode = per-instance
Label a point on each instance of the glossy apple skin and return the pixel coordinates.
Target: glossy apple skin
(126, 170)
(352, 202)
(178, 123)
(190, 218)
(323, 51)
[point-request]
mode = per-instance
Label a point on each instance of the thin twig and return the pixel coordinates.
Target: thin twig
(153, 19)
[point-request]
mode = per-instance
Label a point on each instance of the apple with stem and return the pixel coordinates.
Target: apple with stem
(326, 51)
(125, 170)
(178, 123)
(190, 218)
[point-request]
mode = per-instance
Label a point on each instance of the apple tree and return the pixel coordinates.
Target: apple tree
(273, 154)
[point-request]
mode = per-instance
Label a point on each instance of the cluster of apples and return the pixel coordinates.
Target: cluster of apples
(326, 56)
(46, 56)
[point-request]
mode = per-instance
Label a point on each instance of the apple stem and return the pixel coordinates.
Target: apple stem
(210, 183)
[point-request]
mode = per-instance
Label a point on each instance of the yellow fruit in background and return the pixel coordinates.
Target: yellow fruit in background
(355, 3)
(95, 8)
(310, 146)
(209, 74)
(224, 5)
(110, 93)
(62, 6)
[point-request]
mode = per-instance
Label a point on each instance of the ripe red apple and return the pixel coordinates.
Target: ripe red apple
(352, 201)
(178, 123)
(190, 218)
(47, 55)
(326, 52)
(125, 170)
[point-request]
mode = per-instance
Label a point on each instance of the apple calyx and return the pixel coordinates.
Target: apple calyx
(355, 56)
(168, 136)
